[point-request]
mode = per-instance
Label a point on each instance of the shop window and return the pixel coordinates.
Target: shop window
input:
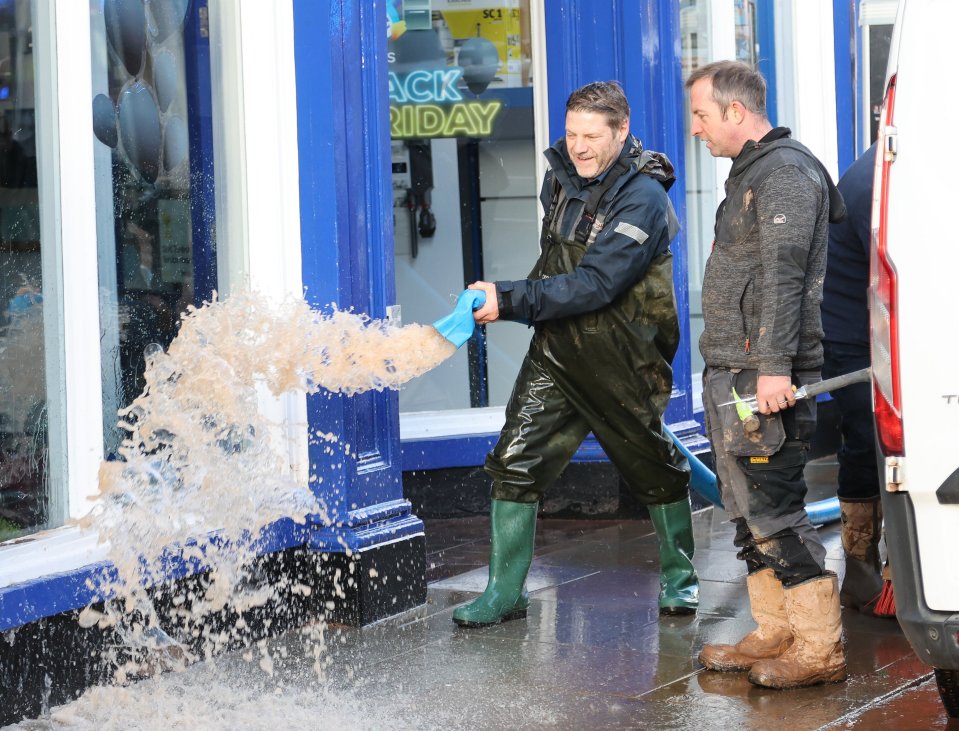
(154, 186)
(464, 180)
(745, 15)
(701, 195)
(704, 174)
(876, 19)
(26, 497)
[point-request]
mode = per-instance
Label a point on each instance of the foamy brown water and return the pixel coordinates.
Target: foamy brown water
(198, 462)
(201, 699)
(377, 687)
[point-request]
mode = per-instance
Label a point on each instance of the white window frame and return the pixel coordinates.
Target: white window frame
(70, 290)
(257, 174)
(806, 75)
(69, 246)
(722, 18)
(258, 231)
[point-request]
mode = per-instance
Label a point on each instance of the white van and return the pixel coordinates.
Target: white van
(915, 331)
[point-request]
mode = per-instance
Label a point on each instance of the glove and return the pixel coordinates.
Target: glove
(458, 326)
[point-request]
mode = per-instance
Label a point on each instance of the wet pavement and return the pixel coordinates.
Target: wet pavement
(592, 654)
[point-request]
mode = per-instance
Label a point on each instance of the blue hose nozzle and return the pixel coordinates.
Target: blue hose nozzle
(458, 326)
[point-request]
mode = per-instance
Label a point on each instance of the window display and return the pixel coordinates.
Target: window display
(464, 179)
(25, 487)
(154, 221)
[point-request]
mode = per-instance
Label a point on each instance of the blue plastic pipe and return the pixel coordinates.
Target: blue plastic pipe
(823, 511)
(703, 480)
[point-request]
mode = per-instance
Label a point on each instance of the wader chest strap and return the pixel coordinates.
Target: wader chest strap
(596, 195)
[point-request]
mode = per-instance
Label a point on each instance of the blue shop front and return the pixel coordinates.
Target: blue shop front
(375, 155)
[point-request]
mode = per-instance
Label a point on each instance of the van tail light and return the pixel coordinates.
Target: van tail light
(883, 297)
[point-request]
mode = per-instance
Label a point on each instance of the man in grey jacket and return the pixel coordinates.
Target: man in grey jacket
(763, 335)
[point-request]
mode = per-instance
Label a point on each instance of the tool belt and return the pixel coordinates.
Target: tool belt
(797, 423)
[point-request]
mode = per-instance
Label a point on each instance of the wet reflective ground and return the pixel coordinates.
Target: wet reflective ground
(600, 656)
(593, 653)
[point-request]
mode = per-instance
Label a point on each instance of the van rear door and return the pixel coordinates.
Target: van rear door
(915, 329)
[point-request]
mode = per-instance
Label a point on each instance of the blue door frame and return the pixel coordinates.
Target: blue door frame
(766, 39)
(200, 121)
(347, 243)
(845, 49)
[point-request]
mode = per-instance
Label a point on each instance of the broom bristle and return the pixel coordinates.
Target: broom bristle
(886, 605)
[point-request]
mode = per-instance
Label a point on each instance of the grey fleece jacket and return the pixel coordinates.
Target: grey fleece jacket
(763, 281)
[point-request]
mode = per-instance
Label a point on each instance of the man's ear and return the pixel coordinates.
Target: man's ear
(736, 112)
(623, 131)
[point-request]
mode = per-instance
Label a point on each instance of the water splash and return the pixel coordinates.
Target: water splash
(198, 472)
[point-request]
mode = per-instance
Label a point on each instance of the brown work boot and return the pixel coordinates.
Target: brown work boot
(816, 655)
(769, 640)
(862, 583)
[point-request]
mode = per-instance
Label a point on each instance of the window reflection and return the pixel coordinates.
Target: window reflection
(147, 185)
(464, 181)
(24, 487)
(745, 20)
(701, 180)
(704, 186)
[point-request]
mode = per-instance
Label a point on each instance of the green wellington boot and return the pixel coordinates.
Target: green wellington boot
(679, 592)
(512, 530)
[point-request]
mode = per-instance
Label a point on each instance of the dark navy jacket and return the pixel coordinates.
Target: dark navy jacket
(636, 226)
(845, 311)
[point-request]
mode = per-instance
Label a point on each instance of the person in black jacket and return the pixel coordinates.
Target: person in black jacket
(601, 301)
(763, 336)
(845, 322)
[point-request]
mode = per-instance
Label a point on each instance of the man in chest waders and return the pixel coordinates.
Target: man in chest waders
(601, 301)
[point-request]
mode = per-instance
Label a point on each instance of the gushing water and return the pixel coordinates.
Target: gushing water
(199, 455)
(198, 476)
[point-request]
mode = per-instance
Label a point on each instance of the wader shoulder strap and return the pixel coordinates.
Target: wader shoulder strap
(553, 200)
(596, 195)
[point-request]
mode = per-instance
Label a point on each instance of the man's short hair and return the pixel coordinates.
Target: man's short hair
(733, 81)
(601, 97)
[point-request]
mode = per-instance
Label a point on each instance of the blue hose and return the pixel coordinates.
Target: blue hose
(703, 481)
(458, 326)
(701, 478)
(823, 511)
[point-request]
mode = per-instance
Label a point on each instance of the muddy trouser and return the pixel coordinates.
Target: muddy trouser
(547, 419)
(760, 476)
(858, 468)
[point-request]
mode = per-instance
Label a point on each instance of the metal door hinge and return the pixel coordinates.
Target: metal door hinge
(204, 14)
(894, 474)
(394, 315)
(892, 143)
